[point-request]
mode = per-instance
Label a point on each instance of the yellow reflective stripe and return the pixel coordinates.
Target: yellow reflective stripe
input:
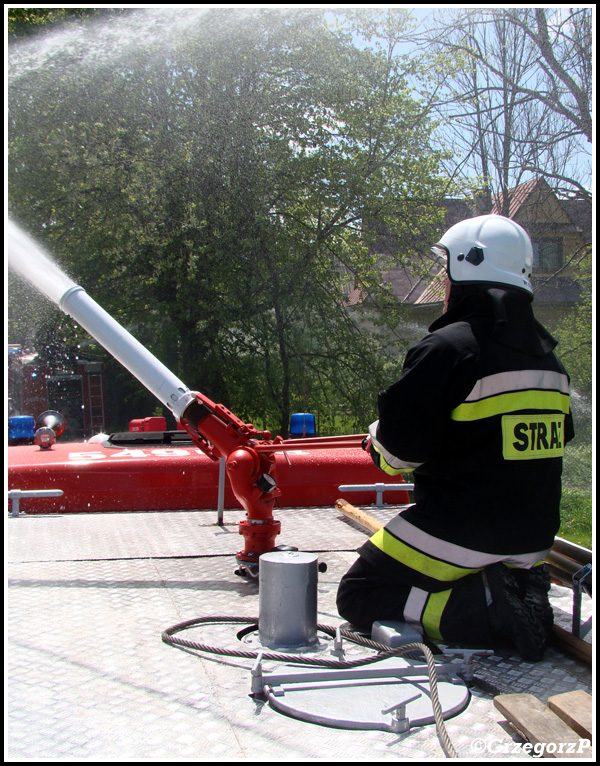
(432, 614)
(386, 467)
(453, 554)
(511, 402)
(421, 562)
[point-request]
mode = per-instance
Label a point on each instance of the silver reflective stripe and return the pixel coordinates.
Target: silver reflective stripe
(520, 380)
(413, 609)
(393, 461)
(456, 554)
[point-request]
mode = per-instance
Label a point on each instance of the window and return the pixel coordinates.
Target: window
(547, 255)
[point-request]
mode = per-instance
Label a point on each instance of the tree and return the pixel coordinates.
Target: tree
(517, 87)
(222, 181)
(514, 92)
(25, 22)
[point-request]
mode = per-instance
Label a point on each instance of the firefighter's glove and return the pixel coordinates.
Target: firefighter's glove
(366, 444)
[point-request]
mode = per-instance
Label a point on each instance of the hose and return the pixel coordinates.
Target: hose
(384, 653)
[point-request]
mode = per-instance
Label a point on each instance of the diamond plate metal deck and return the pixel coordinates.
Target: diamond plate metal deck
(89, 677)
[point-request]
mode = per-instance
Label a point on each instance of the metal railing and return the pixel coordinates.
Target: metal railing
(16, 494)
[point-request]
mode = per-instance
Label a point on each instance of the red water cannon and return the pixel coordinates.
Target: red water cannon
(250, 464)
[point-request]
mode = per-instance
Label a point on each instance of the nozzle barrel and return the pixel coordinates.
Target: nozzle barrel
(152, 373)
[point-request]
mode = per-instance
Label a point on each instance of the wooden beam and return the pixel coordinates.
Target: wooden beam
(362, 518)
(571, 644)
(573, 551)
(575, 709)
(549, 734)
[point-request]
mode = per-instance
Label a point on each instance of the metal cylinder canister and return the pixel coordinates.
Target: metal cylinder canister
(288, 599)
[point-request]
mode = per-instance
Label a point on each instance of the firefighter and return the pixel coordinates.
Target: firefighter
(480, 415)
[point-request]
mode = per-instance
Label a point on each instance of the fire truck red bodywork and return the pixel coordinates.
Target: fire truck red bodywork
(153, 477)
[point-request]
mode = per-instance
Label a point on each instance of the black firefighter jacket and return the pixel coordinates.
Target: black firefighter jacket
(481, 416)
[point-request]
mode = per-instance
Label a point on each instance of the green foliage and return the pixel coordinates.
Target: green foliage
(26, 21)
(576, 503)
(576, 517)
(213, 190)
(575, 332)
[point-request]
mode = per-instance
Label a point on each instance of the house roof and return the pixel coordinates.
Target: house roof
(516, 197)
(409, 287)
(356, 296)
(533, 204)
(434, 292)
(425, 288)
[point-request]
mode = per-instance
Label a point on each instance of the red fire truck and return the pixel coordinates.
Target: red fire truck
(76, 390)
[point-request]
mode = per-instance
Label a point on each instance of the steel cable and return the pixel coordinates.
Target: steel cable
(384, 653)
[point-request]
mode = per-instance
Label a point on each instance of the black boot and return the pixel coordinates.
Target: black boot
(520, 610)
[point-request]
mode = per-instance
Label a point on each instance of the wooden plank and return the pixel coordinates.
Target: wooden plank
(541, 727)
(575, 709)
(571, 644)
(563, 563)
(576, 552)
(362, 518)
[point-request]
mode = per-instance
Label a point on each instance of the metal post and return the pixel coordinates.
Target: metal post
(16, 494)
(578, 584)
(221, 492)
(400, 721)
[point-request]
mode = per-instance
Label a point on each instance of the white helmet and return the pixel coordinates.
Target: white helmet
(489, 248)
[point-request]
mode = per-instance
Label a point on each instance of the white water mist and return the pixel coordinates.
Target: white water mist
(28, 259)
(96, 42)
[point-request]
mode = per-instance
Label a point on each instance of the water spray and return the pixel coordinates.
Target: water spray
(27, 259)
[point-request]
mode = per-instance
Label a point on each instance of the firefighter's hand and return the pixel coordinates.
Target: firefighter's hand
(366, 443)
